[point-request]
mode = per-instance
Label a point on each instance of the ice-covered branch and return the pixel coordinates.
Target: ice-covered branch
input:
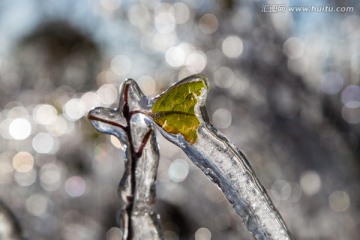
(180, 115)
(141, 155)
(226, 166)
(213, 153)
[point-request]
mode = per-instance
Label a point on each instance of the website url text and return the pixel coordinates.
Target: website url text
(281, 8)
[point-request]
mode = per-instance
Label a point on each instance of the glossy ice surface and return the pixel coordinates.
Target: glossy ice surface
(137, 186)
(226, 166)
(211, 151)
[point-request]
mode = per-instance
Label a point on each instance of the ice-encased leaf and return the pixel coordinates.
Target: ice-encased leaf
(226, 166)
(174, 110)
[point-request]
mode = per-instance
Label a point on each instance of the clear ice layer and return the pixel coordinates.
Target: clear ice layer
(141, 154)
(212, 152)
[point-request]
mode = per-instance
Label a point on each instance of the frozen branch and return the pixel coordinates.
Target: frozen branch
(180, 115)
(226, 166)
(141, 155)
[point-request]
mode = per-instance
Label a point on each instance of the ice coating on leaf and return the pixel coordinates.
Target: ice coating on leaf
(174, 110)
(141, 154)
(226, 166)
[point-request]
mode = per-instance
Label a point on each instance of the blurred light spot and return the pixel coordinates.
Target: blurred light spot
(298, 66)
(208, 23)
(75, 186)
(37, 205)
(50, 176)
(351, 115)
(203, 234)
(171, 235)
(23, 162)
(332, 83)
(6, 172)
(175, 56)
(178, 170)
(74, 109)
(281, 22)
(4, 128)
(352, 104)
(115, 142)
(296, 192)
(107, 94)
(281, 190)
(109, 5)
(183, 73)
(90, 100)
(223, 221)
(350, 24)
(17, 112)
(78, 230)
(139, 15)
(351, 95)
(339, 201)
(44, 143)
(59, 127)
(45, 114)
(232, 46)
(114, 233)
(163, 41)
(196, 62)
(106, 77)
(121, 65)
(222, 118)
(224, 77)
(147, 42)
(181, 12)
(20, 128)
(147, 85)
(310, 182)
(164, 22)
(25, 179)
(294, 48)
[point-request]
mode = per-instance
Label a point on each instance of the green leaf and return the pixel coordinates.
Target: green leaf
(174, 110)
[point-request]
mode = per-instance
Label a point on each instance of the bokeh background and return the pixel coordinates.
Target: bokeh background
(284, 88)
